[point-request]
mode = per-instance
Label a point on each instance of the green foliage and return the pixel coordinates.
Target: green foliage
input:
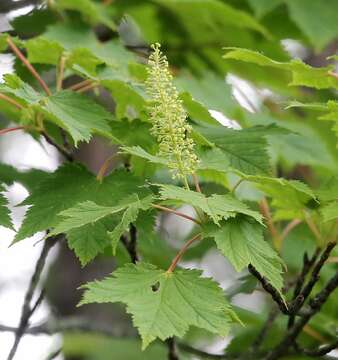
(302, 74)
(164, 304)
(218, 207)
(5, 218)
(103, 78)
(241, 241)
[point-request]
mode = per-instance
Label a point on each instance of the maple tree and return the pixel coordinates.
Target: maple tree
(264, 194)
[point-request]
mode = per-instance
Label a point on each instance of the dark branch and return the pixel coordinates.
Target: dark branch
(321, 351)
(62, 151)
(314, 278)
(54, 354)
(315, 305)
(276, 296)
(264, 331)
(73, 324)
(27, 309)
(172, 352)
(298, 299)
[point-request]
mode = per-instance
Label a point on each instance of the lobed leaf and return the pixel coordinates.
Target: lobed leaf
(218, 207)
(164, 304)
(5, 217)
(241, 240)
(302, 74)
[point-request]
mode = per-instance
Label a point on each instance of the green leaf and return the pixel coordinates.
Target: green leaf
(130, 215)
(5, 218)
(285, 194)
(43, 51)
(262, 7)
(310, 17)
(302, 74)
(164, 304)
(29, 178)
(88, 213)
(328, 190)
(67, 186)
(90, 240)
(83, 214)
(211, 15)
(210, 91)
(15, 86)
(245, 149)
(138, 151)
(241, 240)
(330, 108)
(95, 13)
(330, 211)
(78, 114)
(218, 207)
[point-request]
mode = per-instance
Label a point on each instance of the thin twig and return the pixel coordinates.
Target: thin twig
(7, 130)
(160, 207)
(60, 75)
(275, 294)
(196, 182)
(265, 210)
(54, 354)
(315, 305)
(265, 329)
(80, 85)
(29, 66)
(254, 108)
(133, 243)
(335, 75)
(307, 264)
(290, 226)
(321, 351)
(63, 151)
(87, 88)
(11, 101)
(239, 182)
(304, 294)
(73, 324)
(312, 226)
(27, 309)
(177, 258)
(104, 167)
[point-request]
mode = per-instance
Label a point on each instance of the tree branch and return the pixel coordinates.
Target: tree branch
(276, 296)
(315, 305)
(27, 309)
(304, 294)
(63, 151)
(172, 352)
(264, 331)
(321, 351)
(307, 264)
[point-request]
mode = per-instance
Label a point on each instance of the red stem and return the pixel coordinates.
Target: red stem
(7, 130)
(176, 213)
(179, 255)
(29, 66)
(80, 84)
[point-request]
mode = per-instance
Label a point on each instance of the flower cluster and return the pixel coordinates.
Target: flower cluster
(169, 117)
